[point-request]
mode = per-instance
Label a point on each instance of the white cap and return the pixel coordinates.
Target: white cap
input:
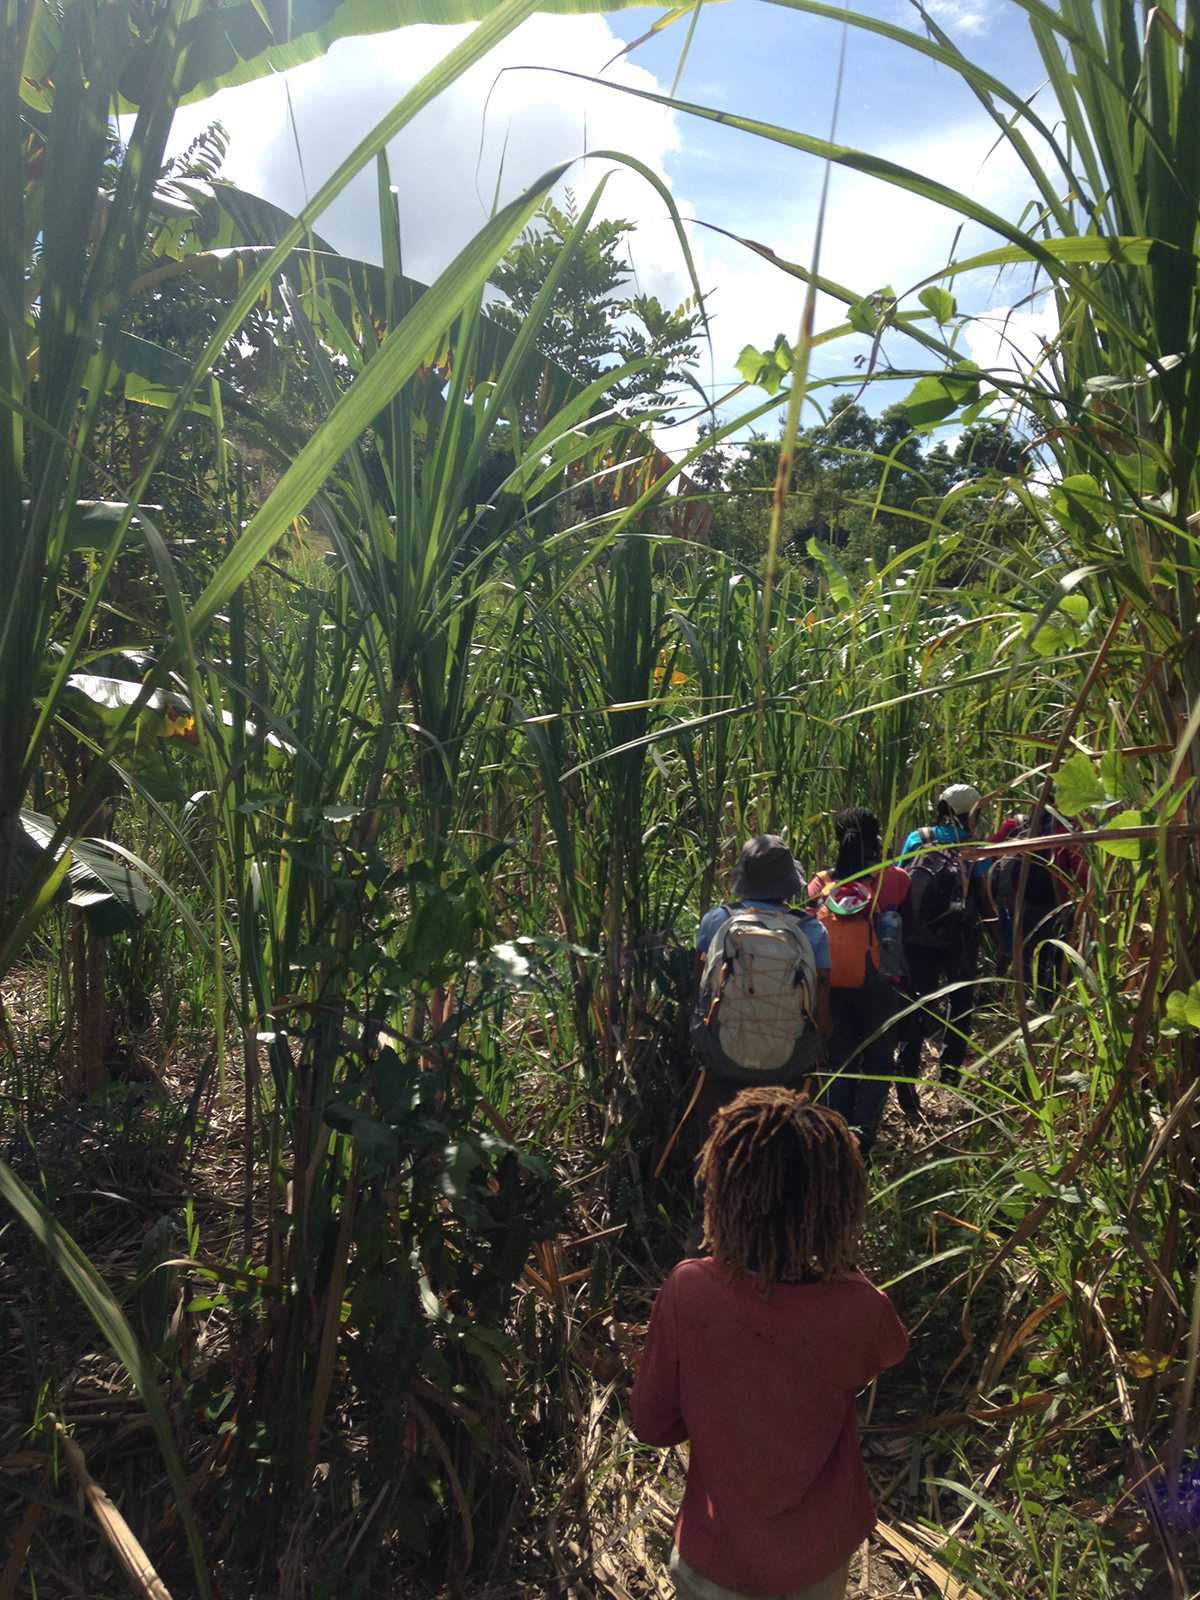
(962, 798)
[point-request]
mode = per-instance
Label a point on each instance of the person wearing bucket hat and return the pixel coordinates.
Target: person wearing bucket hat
(766, 878)
(767, 870)
(944, 949)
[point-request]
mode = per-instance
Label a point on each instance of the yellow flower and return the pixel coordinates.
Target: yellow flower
(179, 724)
(677, 679)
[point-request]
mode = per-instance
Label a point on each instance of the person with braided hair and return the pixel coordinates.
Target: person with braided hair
(756, 1353)
(855, 900)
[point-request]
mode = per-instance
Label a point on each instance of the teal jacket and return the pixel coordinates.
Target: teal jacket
(943, 833)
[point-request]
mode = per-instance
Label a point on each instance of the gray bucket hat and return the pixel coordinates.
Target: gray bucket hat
(766, 870)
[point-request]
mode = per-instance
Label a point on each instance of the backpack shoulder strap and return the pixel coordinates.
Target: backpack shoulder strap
(926, 835)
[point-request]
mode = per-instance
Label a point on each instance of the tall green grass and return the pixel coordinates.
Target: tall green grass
(476, 740)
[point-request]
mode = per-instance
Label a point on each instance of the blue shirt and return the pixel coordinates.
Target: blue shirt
(941, 833)
(810, 927)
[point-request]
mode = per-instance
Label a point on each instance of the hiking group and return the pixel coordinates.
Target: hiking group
(842, 978)
(812, 1000)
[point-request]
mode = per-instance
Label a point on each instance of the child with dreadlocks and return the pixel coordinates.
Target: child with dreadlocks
(755, 1355)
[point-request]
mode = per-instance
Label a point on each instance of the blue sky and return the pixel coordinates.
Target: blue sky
(748, 57)
(781, 65)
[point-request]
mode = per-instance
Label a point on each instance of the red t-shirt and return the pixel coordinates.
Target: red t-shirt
(890, 888)
(763, 1386)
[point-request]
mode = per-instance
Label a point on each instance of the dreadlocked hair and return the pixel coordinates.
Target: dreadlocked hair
(785, 1189)
(859, 841)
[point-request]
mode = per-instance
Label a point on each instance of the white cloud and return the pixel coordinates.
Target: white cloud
(507, 127)
(901, 238)
(1011, 341)
(489, 130)
(961, 16)
(875, 234)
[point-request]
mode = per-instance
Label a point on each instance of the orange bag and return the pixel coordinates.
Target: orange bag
(847, 913)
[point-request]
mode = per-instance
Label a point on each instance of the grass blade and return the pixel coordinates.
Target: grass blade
(110, 1319)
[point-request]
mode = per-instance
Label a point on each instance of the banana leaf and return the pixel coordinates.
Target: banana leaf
(230, 44)
(110, 892)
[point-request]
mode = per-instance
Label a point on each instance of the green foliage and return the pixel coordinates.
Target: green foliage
(939, 396)
(863, 486)
(1077, 786)
(431, 742)
(1183, 1007)
(591, 325)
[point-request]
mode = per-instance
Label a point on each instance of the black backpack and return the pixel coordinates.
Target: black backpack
(1040, 890)
(938, 903)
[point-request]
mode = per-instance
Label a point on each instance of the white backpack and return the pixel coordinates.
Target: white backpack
(755, 1014)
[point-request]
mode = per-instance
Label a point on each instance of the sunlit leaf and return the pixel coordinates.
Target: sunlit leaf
(1183, 1007)
(940, 301)
(940, 395)
(1079, 503)
(1077, 786)
(106, 888)
(1127, 849)
(1145, 1363)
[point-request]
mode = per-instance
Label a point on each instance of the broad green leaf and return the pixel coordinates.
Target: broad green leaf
(766, 369)
(865, 315)
(459, 1162)
(1116, 776)
(1076, 786)
(112, 697)
(1047, 639)
(168, 714)
(101, 1305)
(940, 301)
(1183, 1007)
(396, 1084)
(374, 1142)
(42, 41)
(106, 888)
(94, 524)
(1077, 502)
(1127, 849)
(940, 395)
(240, 42)
(839, 584)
